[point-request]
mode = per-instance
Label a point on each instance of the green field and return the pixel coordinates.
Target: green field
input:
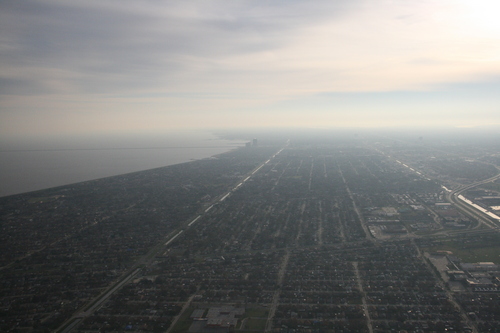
(471, 252)
(255, 319)
(254, 324)
(479, 254)
(256, 313)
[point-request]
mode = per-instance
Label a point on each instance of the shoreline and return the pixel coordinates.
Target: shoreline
(69, 172)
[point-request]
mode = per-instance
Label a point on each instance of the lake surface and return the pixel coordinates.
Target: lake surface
(38, 164)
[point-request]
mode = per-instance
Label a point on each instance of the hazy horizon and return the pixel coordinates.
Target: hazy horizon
(29, 163)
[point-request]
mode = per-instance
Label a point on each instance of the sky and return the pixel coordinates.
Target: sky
(102, 66)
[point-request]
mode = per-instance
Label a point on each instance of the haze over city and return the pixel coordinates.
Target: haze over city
(87, 67)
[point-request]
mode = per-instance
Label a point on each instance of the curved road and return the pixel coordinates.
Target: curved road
(468, 209)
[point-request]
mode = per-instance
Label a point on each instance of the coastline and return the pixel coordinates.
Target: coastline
(29, 170)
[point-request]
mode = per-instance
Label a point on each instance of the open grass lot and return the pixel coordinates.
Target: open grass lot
(479, 254)
(256, 313)
(470, 252)
(254, 319)
(254, 324)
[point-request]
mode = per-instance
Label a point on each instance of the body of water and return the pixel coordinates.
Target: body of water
(38, 164)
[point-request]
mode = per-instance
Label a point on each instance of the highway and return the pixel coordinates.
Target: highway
(453, 196)
(468, 209)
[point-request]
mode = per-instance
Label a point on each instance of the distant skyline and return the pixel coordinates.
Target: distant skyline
(83, 67)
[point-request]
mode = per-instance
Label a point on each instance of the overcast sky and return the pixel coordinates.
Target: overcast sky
(86, 66)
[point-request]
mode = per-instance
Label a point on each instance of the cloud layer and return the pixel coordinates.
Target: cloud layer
(124, 65)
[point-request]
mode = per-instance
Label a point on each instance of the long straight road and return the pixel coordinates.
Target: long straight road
(94, 304)
(363, 297)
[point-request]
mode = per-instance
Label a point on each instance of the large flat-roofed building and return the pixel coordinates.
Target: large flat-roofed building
(218, 319)
(480, 266)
